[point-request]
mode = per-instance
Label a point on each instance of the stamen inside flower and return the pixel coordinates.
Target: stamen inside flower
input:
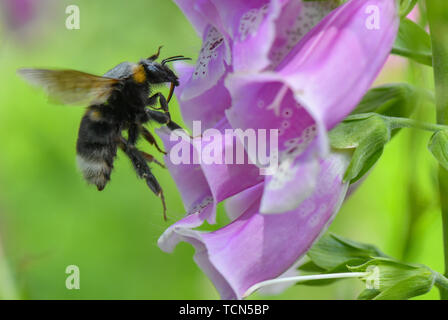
(277, 103)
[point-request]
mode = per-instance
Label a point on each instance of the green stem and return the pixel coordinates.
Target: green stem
(441, 282)
(397, 123)
(438, 17)
(443, 192)
(406, 10)
(417, 202)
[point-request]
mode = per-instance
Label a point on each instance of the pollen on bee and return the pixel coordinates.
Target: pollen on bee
(139, 74)
(95, 115)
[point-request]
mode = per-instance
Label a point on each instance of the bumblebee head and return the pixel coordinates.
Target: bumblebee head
(160, 72)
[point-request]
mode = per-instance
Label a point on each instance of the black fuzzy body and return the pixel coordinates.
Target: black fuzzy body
(118, 101)
(100, 131)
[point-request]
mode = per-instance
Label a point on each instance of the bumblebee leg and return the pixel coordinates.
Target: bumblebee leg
(150, 138)
(157, 116)
(150, 158)
(174, 126)
(133, 133)
(143, 171)
(163, 118)
(163, 106)
(152, 101)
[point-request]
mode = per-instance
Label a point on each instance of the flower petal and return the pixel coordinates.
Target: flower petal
(297, 18)
(292, 183)
(241, 202)
(333, 66)
(182, 231)
(254, 28)
(196, 18)
(18, 13)
(265, 101)
(191, 182)
(227, 177)
(184, 72)
(208, 107)
(203, 172)
(231, 12)
(257, 247)
(211, 66)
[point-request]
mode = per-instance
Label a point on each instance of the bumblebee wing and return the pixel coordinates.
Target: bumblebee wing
(71, 86)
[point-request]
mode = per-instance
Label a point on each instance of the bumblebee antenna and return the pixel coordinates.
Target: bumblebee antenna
(156, 55)
(175, 58)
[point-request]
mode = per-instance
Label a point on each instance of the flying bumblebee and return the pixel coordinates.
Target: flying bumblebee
(118, 101)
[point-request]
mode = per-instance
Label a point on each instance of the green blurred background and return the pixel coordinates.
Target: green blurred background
(50, 218)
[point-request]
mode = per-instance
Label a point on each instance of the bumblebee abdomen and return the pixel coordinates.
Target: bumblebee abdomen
(96, 148)
(94, 172)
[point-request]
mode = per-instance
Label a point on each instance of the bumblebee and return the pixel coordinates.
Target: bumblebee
(118, 101)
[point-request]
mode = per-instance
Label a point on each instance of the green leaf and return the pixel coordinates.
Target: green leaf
(438, 145)
(413, 42)
(353, 130)
(368, 294)
(409, 288)
(385, 277)
(367, 134)
(394, 100)
(365, 156)
(391, 279)
(310, 267)
(332, 251)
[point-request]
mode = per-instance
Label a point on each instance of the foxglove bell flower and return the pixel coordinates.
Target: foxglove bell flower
(19, 12)
(295, 66)
(254, 247)
(22, 19)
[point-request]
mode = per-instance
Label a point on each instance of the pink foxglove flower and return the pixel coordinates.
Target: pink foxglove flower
(23, 19)
(18, 12)
(295, 66)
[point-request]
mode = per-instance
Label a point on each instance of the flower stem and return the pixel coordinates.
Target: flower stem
(397, 122)
(438, 16)
(441, 281)
(305, 278)
(410, 4)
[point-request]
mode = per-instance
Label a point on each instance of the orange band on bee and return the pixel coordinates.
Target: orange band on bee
(139, 74)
